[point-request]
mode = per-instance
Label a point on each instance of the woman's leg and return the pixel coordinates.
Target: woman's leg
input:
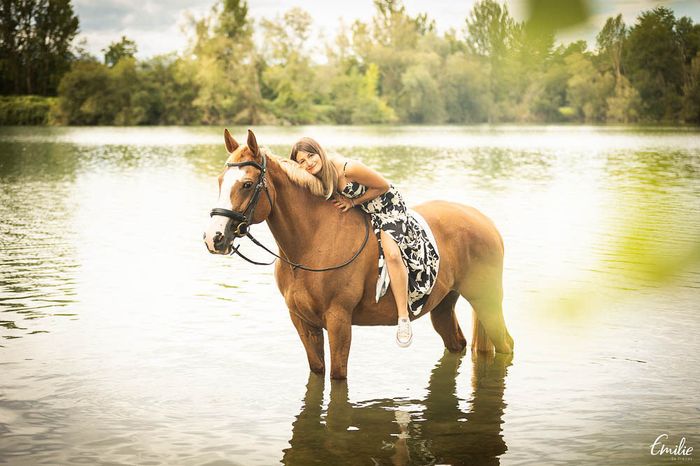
(398, 277)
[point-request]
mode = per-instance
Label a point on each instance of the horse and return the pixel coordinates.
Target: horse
(312, 234)
(321, 432)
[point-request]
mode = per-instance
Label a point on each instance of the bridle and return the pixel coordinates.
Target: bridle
(245, 220)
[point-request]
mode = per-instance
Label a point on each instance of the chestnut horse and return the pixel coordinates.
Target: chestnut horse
(309, 230)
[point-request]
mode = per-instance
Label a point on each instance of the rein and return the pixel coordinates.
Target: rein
(245, 220)
(301, 266)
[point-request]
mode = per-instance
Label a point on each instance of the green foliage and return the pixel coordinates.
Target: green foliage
(25, 109)
(691, 91)
(588, 88)
(116, 51)
(489, 29)
(82, 93)
(653, 61)
(290, 78)
(354, 99)
(421, 101)
(35, 39)
(227, 69)
(465, 89)
(550, 94)
(233, 21)
(159, 91)
(610, 42)
(394, 67)
(624, 104)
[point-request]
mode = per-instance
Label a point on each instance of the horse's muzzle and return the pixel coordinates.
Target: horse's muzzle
(218, 235)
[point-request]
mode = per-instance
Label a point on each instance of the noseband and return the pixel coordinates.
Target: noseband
(245, 218)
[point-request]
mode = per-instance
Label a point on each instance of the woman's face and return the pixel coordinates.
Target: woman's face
(310, 162)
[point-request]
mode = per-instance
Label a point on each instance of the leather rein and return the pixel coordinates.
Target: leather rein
(245, 219)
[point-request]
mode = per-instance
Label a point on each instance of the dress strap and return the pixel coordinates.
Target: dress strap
(346, 164)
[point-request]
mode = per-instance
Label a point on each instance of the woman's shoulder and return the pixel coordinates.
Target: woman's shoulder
(341, 163)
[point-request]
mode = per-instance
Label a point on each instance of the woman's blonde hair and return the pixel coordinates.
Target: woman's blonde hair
(328, 174)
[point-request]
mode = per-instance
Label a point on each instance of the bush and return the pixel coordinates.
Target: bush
(25, 109)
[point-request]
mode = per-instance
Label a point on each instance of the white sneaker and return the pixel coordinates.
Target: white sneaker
(404, 335)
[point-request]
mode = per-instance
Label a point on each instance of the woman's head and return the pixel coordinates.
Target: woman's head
(311, 157)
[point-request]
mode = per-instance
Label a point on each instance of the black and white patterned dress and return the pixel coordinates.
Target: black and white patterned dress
(389, 213)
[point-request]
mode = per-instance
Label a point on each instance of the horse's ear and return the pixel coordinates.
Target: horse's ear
(231, 144)
(252, 143)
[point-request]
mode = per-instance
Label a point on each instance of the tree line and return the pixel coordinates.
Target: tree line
(394, 68)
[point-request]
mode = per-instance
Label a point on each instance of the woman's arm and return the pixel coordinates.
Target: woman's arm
(376, 184)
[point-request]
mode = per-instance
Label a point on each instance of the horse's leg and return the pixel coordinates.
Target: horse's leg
(484, 291)
(446, 325)
(312, 338)
(490, 327)
(339, 325)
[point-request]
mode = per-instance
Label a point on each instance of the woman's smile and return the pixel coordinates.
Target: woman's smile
(309, 162)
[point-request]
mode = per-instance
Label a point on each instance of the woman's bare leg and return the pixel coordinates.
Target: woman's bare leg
(398, 277)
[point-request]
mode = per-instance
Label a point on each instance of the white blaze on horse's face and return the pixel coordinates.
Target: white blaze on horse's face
(217, 225)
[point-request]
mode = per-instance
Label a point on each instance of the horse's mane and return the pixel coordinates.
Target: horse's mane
(297, 175)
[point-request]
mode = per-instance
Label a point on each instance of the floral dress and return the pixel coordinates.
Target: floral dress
(389, 213)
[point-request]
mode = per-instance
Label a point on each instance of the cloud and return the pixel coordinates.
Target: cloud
(156, 25)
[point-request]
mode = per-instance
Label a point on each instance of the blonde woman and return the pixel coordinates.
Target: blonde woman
(408, 261)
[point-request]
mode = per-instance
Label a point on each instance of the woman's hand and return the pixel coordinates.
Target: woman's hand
(343, 203)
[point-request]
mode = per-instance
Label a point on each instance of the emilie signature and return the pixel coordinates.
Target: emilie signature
(681, 449)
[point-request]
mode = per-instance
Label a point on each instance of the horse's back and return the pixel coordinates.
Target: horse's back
(453, 221)
(469, 244)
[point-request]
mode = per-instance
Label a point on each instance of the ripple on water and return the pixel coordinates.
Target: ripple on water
(179, 357)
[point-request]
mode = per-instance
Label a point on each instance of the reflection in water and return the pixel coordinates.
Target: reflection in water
(153, 353)
(396, 432)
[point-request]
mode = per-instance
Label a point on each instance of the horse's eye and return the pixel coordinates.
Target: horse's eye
(247, 185)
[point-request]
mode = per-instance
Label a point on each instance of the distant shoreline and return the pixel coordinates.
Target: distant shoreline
(33, 110)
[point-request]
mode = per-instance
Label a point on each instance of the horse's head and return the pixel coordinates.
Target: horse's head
(244, 198)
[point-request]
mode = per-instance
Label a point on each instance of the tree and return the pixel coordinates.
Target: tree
(610, 41)
(353, 98)
(84, 95)
(421, 100)
(290, 78)
(116, 51)
(691, 93)
(392, 42)
(233, 20)
(166, 92)
(465, 90)
(35, 39)
(548, 94)
(226, 68)
(624, 104)
(491, 34)
(489, 29)
(587, 88)
(653, 60)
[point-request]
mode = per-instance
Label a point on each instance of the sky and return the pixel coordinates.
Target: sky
(160, 27)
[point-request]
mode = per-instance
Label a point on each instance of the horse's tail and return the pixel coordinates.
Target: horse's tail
(480, 341)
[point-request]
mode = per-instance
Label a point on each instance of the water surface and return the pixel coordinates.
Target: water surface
(123, 341)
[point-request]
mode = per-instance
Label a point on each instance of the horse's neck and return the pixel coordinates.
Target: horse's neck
(297, 215)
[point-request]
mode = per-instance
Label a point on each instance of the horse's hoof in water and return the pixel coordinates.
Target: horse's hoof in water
(318, 370)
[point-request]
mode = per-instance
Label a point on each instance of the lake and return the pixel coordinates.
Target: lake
(123, 341)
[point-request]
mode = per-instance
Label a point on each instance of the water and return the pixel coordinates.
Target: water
(122, 341)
